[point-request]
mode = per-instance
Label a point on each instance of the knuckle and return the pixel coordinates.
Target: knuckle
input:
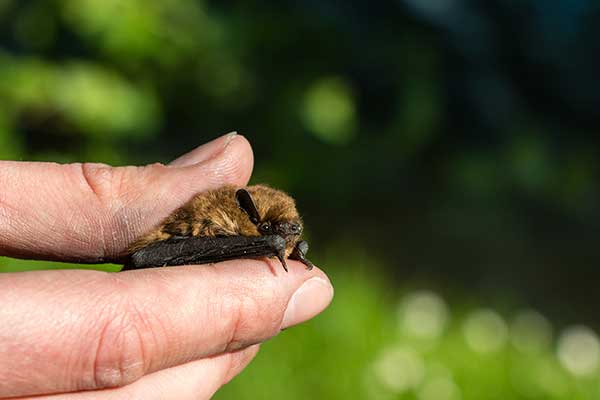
(114, 190)
(247, 322)
(110, 183)
(99, 178)
(120, 356)
(231, 310)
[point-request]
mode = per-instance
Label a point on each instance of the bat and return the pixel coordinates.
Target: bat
(225, 224)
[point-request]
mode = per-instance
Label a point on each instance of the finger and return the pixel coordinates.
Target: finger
(91, 212)
(80, 330)
(194, 381)
(204, 152)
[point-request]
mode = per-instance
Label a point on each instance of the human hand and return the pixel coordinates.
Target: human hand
(164, 333)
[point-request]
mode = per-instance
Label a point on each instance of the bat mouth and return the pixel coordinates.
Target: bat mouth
(291, 238)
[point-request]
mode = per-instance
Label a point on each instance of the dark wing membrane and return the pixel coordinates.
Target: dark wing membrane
(204, 250)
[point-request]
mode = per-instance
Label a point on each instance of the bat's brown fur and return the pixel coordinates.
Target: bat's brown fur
(216, 213)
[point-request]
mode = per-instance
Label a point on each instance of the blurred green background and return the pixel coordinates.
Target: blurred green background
(443, 154)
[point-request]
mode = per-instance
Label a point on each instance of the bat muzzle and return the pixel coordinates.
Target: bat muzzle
(288, 229)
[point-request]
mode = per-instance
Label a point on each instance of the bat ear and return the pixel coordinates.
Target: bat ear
(246, 203)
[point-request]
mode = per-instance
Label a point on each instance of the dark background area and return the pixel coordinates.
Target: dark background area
(454, 143)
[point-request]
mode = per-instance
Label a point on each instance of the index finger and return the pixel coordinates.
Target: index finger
(82, 330)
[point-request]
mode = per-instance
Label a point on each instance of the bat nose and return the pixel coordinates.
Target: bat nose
(295, 228)
(287, 228)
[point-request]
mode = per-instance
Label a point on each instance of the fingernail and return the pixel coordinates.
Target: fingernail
(204, 152)
(309, 300)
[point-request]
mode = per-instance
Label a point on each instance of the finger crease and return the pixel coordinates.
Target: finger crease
(232, 342)
(96, 372)
(95, 185)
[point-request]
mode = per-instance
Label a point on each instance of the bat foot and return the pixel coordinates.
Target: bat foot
(299, 253)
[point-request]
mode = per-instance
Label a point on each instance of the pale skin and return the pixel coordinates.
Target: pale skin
(164, 333)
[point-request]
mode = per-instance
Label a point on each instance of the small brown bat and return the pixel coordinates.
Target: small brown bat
(225, 224)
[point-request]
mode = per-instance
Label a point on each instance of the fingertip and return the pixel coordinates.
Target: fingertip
(203, 152)
(232, 166)
(238, 161)
(300, 294)
(309, 300)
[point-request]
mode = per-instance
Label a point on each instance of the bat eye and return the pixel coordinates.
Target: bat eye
(265, 227)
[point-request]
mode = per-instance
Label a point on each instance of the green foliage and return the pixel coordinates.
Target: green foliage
(93, 99)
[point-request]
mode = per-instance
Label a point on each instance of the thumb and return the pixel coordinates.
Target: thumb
(204, 152)
(91, 212)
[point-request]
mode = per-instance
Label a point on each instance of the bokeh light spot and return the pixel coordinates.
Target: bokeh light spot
(399, 369)
(552, 379)
(530, 332)
(329, 110)
(439, 388)
(102, 102)
(485, 331)
(579, 350)
(423, 314)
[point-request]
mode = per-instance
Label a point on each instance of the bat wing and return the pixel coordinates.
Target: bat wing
(204, 250)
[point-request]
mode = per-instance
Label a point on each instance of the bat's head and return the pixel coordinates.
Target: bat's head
(272, 211)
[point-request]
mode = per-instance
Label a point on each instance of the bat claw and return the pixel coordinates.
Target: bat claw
(308, 264)
(281, 258)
